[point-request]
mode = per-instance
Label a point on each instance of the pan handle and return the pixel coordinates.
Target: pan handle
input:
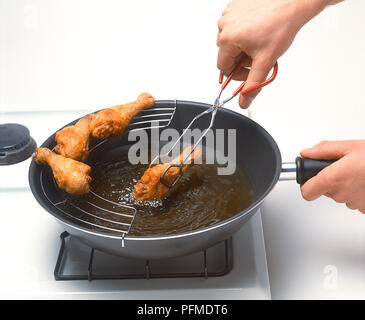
(303, 169)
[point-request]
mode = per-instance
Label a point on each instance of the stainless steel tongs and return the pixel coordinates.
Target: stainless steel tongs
(212, 111)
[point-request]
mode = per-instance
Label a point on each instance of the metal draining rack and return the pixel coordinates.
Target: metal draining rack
(106, 219)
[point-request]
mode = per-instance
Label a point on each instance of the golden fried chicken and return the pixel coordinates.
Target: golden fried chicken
(73, 141)
(113, 121)
(70, 175)
(149, 187)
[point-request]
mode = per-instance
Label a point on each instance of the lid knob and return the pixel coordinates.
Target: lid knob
(16, 144)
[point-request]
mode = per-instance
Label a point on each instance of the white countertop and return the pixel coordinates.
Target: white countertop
(101, 53)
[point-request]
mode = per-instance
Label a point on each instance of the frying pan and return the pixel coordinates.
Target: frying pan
(257, 154)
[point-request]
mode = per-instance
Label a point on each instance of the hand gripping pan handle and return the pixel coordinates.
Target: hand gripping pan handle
(303, 169)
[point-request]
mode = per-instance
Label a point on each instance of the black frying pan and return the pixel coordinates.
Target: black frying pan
(257, 155)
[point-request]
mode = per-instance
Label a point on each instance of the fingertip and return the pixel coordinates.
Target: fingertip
(244, 104)
(245, 101)
(244, 107)
(307, 192)
(304, 153)
(327, 150)
(304, 193)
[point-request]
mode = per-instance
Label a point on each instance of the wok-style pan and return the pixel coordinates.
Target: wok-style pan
(257, 155)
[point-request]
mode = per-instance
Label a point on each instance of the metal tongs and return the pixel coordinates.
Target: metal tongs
(213, 111)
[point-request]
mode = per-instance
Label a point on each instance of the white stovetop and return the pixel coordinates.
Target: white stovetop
(30, 243)
(102, 53)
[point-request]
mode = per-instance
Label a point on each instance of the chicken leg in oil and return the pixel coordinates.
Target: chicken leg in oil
(149, 187)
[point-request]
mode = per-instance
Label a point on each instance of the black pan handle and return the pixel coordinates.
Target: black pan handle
(304, 169)
(308, 168)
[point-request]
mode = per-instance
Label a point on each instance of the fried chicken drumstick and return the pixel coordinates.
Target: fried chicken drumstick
(70, 175)
(149, 187)
(113, 121)
(73, 141)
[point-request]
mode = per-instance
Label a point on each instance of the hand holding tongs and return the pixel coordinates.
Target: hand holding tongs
(218, 103)
(213, 110)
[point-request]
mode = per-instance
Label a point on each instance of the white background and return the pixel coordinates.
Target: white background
(84, 55)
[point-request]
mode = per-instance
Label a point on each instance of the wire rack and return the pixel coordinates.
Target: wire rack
(204, 269)
(111, 216)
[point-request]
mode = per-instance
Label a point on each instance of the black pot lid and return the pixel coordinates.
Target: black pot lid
(16, 144)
